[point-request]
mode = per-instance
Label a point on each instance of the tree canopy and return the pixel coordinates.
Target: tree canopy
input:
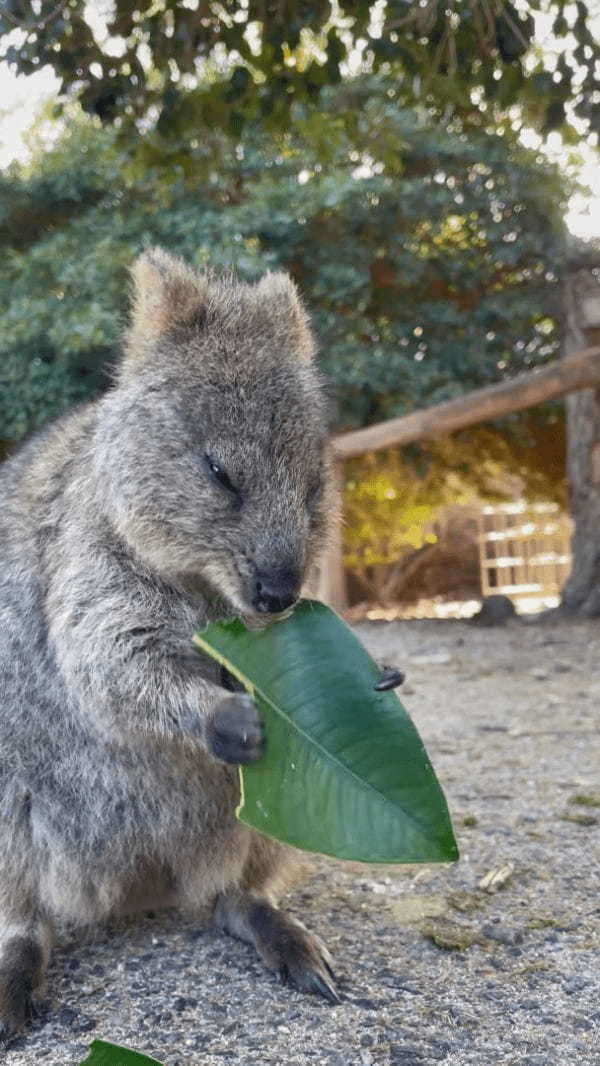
(430, 259)
(173, 67)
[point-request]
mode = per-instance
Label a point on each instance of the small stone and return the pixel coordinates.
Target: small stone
(179, 1003)
(366, 1004)
(496, 610)
(503, 935)
(529, 1004)
(575, 984)
(452, 936)
(66, 1016)
(405, 1056)
(85, 1025)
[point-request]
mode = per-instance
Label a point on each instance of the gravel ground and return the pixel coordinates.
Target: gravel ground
(432, 967)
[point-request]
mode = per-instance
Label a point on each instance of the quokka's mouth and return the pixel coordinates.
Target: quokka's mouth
(260, 620)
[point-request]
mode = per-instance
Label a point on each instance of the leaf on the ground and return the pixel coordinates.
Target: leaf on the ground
(466, 901)
(578, 818)
(586, 799)
(104, 1054)
(345, 772)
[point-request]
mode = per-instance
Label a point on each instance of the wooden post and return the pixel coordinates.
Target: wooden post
(581, 593)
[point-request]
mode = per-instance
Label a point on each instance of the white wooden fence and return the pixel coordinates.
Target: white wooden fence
(524, 550)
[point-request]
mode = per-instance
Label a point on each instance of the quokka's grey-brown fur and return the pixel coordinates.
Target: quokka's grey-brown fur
(197, 488)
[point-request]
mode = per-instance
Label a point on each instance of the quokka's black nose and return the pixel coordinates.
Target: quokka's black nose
(275, 591)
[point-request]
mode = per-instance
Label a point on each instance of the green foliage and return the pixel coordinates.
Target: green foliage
(173, 68)
(345, 772)
(430, 260)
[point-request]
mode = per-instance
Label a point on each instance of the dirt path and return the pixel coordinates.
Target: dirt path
(511, 720)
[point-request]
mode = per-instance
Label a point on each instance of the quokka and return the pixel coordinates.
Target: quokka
(198, 487)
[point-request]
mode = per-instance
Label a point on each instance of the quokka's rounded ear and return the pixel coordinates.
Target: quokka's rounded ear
(166, 292)
(278, 296)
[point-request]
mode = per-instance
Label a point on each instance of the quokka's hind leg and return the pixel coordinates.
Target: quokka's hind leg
(24, 953)
(25, 935)
(249, 912)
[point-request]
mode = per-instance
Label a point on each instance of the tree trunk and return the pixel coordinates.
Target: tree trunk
(581, 593)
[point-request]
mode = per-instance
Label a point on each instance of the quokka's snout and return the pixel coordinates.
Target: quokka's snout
(275, 590)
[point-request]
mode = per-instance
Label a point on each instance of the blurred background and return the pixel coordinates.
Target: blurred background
(427, 171)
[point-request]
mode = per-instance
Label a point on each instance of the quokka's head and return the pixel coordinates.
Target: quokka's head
(212, 449)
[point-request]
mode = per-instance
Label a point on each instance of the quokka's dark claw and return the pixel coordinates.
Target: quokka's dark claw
(390, 678)
(323, 988)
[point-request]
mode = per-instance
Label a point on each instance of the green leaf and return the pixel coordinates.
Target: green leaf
(105, 1054)
(345, 772)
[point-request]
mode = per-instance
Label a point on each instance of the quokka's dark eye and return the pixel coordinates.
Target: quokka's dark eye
(216, 471)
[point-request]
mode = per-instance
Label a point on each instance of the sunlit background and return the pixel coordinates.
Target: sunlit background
(380, 499)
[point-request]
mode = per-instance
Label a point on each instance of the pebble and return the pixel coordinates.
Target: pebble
(405, 1056)
(85, 1025)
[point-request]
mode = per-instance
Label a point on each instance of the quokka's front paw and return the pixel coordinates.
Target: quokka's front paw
(234, 731)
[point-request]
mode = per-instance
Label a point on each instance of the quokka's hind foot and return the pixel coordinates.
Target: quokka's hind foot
(283, 943)
(22, 965)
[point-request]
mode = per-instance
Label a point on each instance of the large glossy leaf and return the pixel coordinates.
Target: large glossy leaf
(345, 772)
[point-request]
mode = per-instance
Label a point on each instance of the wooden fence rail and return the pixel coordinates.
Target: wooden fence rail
(578, 371)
